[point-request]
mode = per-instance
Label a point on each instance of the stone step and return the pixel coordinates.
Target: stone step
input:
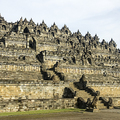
(53, 74)
(101, 105)
(85, 96)
(81, 93)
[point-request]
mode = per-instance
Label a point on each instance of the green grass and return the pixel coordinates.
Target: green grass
(41, 112)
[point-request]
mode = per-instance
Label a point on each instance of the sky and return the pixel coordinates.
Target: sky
(101, 17)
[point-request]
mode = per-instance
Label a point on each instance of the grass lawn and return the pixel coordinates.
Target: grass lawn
(41, 112)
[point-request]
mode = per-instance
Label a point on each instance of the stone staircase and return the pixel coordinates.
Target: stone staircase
(85, 96)
(100, 105)
(52, 73)
(80, 93)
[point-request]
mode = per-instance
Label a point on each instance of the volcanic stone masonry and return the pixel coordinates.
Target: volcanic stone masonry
(38, 63)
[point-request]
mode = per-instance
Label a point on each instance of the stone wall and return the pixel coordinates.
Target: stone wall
(22, 67)
(42, 47)
(15, 105)
(107, 91)
(31, 90)
(88, 70)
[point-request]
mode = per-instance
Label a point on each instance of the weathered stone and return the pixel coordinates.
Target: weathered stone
(38, 63)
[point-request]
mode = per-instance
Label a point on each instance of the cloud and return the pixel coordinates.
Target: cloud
(95, 16)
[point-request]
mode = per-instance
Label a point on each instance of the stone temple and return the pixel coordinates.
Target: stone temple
(42, 67)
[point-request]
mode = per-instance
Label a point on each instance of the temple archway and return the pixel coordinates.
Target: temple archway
(58, 41)
(44, 28)
(89, 61)
(32, 44)
(56, 30)
(66, 31)
(53, 34)
(26, 30)
(38, 32)
(3, 27)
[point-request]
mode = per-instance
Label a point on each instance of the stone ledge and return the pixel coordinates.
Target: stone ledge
(35, 104)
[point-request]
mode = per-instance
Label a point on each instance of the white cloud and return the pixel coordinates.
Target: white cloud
(96, 16)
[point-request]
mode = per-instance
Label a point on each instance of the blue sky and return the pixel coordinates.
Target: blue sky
(101, 17)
